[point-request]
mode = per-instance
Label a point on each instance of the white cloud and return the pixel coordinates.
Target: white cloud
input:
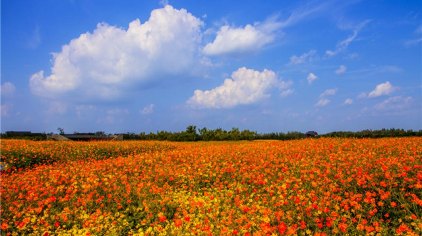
(245, 86)
(343, 45)
(7, 89)
(103, 63)
(148, 109)
(348, 101)
(239, 40)
(305, 12)
(396, 103)
(328, 92)
(286, 92)
(311, 78)
(285, 88)
(341, 70)
(308, 56)
(381, 89)
(322, 102)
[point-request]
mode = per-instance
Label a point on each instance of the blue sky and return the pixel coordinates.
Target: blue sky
(269, 66)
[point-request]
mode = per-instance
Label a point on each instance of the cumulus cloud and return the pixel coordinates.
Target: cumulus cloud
(246, 86)
(382, 89)
(344, 44)
(7, 89)
(348, 101)
(306, 57)
(147, 109)
(231, 40)
(242, 39)
(328, 92)
(311, 78)
(103, 63)
(341, 70)
(322, 102)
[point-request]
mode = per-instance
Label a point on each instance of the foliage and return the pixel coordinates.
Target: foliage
(383, 133)
(324, 186)
(204, 134)
(24, 135)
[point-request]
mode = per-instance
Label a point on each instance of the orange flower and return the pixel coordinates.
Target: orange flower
(178, 222)
(4, 226)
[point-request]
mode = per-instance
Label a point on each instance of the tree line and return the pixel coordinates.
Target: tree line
(193, 134)
(204, 134)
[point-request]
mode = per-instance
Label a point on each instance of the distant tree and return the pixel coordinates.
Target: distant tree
(190, 134)
(61, 131)
(234, 134)
(100, 133)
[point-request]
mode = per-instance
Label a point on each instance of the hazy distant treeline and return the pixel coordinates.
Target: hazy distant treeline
(204, 134)
(193, 134)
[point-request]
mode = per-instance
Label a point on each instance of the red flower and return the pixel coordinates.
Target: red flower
(302, 225)
(342, 227)
(162, 218)
(282, 227)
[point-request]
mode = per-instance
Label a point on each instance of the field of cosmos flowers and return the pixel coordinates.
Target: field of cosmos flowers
(322, 186)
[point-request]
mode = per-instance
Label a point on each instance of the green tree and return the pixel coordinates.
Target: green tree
(61, 131)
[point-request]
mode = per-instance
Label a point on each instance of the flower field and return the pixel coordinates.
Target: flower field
(320, 186)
